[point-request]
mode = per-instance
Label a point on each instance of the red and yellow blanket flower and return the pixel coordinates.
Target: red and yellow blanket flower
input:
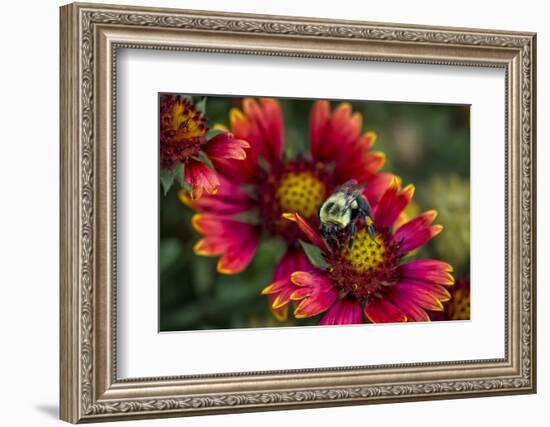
(374, 280)
(269, 184)
(458, 308)
(189, 153)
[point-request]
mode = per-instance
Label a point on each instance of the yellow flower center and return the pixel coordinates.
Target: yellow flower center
(366, 254)
(301, 192)
(460, 308)
(183, 122)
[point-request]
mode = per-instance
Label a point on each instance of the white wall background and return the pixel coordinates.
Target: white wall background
(29, 170)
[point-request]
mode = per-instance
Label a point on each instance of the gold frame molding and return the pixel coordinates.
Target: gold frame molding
(90, 37)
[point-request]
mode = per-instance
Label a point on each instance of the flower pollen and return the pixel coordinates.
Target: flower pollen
(460, 309)
(367, 267)
(301, 192)
(183, 122)
(366, 254)
(298, 186)
(182, 130)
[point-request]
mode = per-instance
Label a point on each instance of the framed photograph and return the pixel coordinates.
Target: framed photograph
(267, 212)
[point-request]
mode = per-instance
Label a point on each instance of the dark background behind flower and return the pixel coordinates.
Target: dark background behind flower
(426, 145)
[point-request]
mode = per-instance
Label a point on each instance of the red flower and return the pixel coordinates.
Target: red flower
(372, 280)
(269, 185)
(458, 308)
(183, 142)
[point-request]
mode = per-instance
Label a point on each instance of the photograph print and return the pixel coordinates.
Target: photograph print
(311, 212)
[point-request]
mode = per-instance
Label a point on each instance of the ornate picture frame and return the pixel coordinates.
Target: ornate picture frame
(90, 37)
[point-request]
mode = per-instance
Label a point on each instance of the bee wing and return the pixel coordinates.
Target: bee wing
(352, 186)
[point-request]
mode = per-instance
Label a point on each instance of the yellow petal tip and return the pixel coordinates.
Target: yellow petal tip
(195, 222)
(280, 315)
(409, 190)
(267, 290)
(224, 270)
(199, 250)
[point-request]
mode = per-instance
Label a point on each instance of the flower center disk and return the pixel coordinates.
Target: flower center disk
(367, 267)
(366, 254)
(301, 192)
(186, 122)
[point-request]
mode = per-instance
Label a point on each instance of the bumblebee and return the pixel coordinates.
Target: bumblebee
(341, 211)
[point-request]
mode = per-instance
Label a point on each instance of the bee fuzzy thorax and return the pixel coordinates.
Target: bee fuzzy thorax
(334, 211)
(342, 212)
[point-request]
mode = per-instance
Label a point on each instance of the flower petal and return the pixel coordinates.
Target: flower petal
(229, 199)
(376, 187)
(319, 116)
(241, 171)
(315, 304)
(425, 296)
(332, 134)
(234, 240)
(312, 235)
(310, 279)
(281, 314)
(278, 303)
(300, 294)
(282, 287)
(380, 310)
(392, 203)
(265, 128)
(316, 294)
(344, 126)
(274, 127)
(413, 312)
(343, 312)
(240, 125)
(369, 138)
(427, 270)
(201, 179)
(261, 125)
(357, 161)
(225, 146)
(417, 231)
(237, 257)
(292, 260)
(280, 291)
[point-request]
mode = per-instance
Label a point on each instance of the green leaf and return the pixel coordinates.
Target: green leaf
(212, 133)
(201, 106)
(203, 157)
(167, 179)
(180, 177)
(315, 255)
(177, 174)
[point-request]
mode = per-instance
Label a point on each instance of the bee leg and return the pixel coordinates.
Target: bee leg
(370, 230)
(363, 206)
(352, 232)
(336, 236)
(365, 214)
(323, 230)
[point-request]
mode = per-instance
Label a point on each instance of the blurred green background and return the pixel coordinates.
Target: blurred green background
(428, 145)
